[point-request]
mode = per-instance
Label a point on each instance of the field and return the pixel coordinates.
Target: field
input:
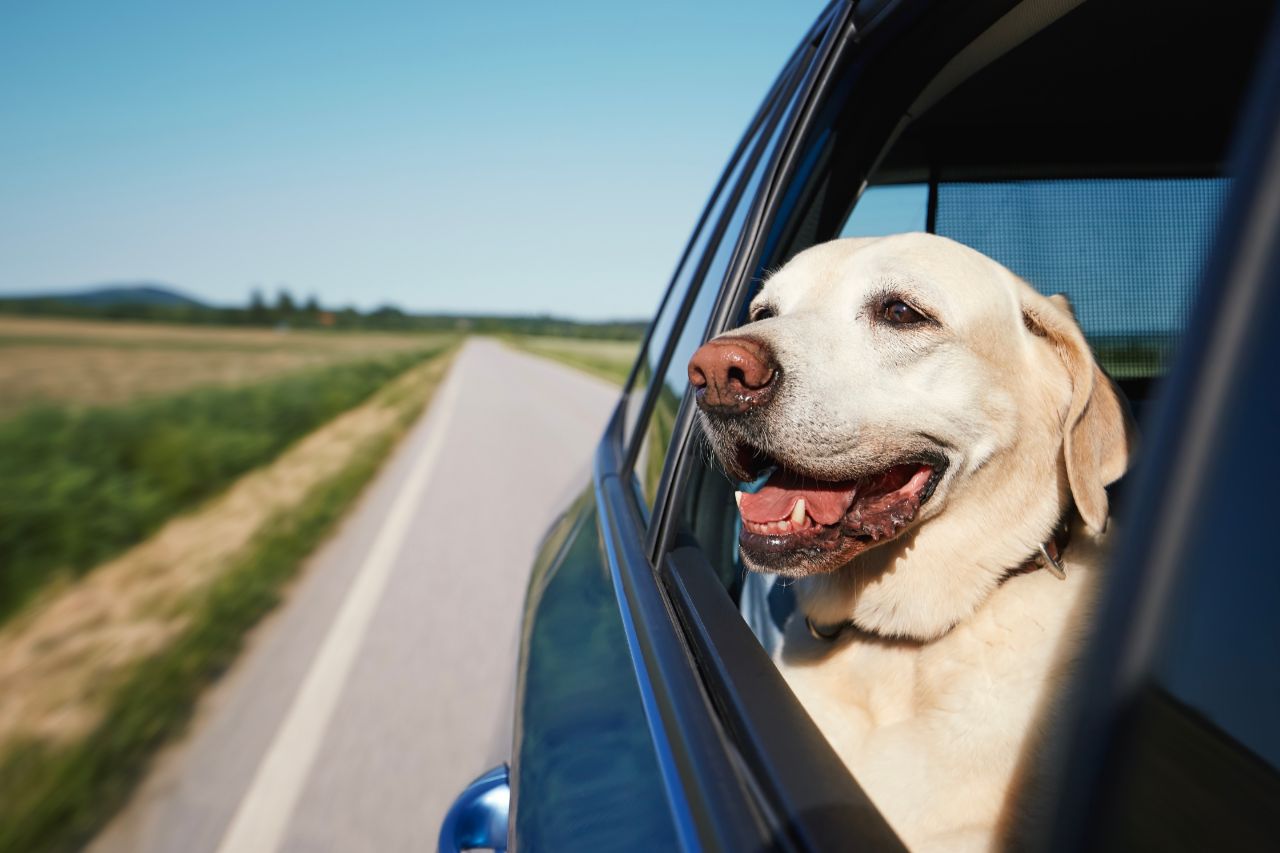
(93, 362)
(609, 360)
(189, 411)
(159, 485)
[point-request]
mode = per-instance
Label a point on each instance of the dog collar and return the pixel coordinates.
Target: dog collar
(1047, 556)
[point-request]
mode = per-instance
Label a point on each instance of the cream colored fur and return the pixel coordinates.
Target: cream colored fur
(935, 701)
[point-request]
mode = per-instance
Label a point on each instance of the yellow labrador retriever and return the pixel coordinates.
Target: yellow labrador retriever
(940, 439)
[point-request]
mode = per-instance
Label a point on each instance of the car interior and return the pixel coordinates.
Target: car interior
(1084, 150)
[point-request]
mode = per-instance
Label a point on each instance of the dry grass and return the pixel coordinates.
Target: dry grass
(61, 659)
(88, 362)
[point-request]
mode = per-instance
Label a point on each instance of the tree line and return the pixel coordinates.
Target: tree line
(286, 312)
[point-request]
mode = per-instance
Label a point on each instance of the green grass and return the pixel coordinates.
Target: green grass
(80, 485)
(153, 343)
(608, 360)
(56, 798)
(657, 440)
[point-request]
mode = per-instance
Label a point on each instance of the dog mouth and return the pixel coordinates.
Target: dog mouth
(798, 525)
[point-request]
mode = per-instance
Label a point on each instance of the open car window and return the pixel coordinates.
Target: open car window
(1009, 154)
(1122, 230)
(1127, 252)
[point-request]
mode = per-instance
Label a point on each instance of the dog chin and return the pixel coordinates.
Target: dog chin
(798, 526)
(776, 557)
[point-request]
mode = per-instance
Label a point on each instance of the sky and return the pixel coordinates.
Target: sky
(491, 157)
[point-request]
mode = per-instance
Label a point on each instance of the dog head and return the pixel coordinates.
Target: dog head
(922, 414)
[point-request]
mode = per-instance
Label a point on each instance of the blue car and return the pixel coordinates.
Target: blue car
(1124, 152)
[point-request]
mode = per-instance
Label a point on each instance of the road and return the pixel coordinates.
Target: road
(384, 683)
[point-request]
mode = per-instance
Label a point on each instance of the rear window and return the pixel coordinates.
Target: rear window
(1127, 252)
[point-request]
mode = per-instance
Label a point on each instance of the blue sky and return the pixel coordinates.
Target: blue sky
(499, 157)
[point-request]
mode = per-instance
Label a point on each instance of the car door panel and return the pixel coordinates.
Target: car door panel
(817, 803)
(583, 763)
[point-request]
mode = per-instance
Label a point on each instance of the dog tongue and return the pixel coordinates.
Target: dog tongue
(826, 503)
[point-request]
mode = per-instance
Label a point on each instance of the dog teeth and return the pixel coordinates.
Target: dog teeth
(797, 513)
(737, 496)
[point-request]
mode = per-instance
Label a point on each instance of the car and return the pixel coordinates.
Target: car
(1126, 153)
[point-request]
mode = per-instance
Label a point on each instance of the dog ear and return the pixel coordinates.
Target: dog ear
(1098, 432)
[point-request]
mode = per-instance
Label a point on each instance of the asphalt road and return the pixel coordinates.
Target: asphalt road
(384, 684)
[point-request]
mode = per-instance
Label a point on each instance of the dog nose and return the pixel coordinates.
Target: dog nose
(732, 375)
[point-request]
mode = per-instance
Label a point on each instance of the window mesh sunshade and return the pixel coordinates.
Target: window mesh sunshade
(1126, 252)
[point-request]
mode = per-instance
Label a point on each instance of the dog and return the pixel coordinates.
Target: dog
(940, 439)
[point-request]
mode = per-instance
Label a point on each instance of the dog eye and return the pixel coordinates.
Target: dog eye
(901, 314)
(764, 312)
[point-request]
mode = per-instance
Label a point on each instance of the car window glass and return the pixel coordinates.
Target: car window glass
(655, 348)
(888, 209)
(667, 395)
(1126, 252)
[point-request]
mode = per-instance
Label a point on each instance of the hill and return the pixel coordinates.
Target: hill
(110, 295)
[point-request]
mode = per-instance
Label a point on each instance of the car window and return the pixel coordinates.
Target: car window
(889, 209)
(688, 276)
(666, 395)
(651, 358)
(1122, 231)
(1017, 146)
(1126, 252)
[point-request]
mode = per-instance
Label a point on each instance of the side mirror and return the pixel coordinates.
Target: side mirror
(477, 820)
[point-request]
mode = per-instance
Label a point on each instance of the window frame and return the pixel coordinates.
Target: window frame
(824, 46)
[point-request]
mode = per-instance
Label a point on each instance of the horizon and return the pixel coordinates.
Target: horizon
(299, 299)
